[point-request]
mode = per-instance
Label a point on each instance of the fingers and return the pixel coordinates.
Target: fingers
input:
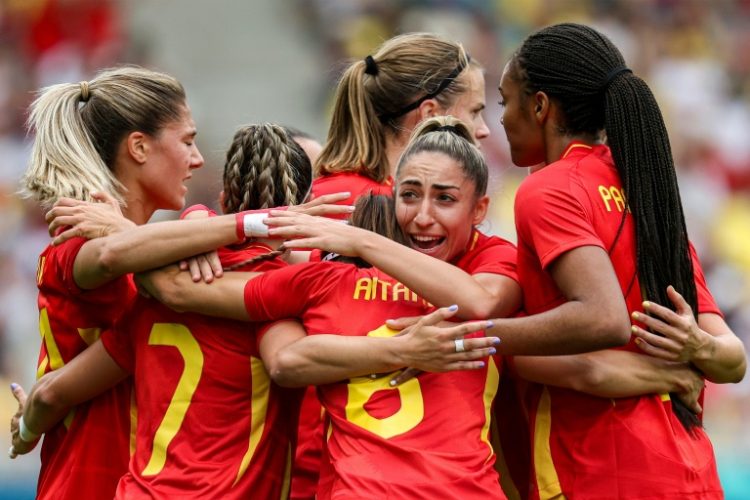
(403, 376)
(672, 326)
(215, 263)
(438, 315)
(104, 197)
(64, 236)
(680, 304)
(655, 351)
(468, 327)
(401, 323)
(328, 209)
(328, 198)
(195, 269)
(18, 393)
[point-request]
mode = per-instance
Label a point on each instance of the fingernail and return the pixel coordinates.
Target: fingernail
(634, 329)
(496, 340)
(453, 308)
(481, 364)
(490, 324)
(392, 383)
(350, 208)
(634, 315)
(13, 386)
(646, 304)
(493, 350)
(638, 340)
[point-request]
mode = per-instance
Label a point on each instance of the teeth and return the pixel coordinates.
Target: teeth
(426, 238)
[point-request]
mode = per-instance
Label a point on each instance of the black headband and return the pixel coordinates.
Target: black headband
(611, 76)
(370, 67)
(447, 128)
(386, 117)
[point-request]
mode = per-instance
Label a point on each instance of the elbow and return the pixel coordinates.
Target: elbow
(284, 369)
(107, 259)
(611, 328)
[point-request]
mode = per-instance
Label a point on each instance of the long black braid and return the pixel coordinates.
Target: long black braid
(585, 74)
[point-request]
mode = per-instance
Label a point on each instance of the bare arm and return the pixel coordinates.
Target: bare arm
(295, 360)
(709, 344)
(593, 317)
(86, 376)
(223, 298)
(610, 373)
(481, 296)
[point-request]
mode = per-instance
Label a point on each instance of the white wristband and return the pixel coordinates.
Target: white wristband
(253, 225)
(24, 433)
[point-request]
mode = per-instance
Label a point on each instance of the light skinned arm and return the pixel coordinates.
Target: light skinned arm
(103, 259)
(483, 295)
(86, 376)
(295, 360)
(709, 344)
(593, 317)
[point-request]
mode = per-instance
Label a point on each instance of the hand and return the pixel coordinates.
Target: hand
(86, 219)
(676, 336)
(205, 266)
(324, 205)
(19, 446)
(305, 231)
(427, 346)
(691, 383)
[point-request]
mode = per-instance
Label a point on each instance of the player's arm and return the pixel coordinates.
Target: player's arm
(295, 360)
(481, 296)
(223, 298)
(86, 376)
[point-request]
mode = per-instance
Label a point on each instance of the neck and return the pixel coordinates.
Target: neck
(557, 144)
(394, 146)
(137, 210)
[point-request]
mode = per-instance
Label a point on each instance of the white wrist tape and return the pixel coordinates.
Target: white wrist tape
(24, 433)
(253, 225)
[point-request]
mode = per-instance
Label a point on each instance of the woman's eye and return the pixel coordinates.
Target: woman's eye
(501, 103)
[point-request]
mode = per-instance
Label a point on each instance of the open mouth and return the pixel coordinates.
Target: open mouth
(426, 242)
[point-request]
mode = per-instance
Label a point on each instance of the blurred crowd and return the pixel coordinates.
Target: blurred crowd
(695, 54)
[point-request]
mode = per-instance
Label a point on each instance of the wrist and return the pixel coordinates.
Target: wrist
(706, 350)
(249, 224)
(26, 434)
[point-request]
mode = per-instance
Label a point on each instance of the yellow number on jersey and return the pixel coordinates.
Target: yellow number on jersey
(175, 335)
(361, 389)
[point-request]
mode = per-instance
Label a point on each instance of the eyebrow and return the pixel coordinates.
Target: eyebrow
(441, 187)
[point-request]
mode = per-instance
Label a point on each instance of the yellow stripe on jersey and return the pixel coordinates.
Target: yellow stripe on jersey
(90, 335)
(259, 409)
(55, 359)
(286, 484)
(40, 269)
(546, 475)
(133, 421)
(491, 386)
(665, 397)
(42, 367)
(574, 146)
(69, 418)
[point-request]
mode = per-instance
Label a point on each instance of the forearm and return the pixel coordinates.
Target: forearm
(43, 409)
(441, 283)
(608, 373)
(322, 359)
(222, 298)
(149, 246)
(722, 360)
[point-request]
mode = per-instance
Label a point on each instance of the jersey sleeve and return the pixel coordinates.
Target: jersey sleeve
(286, 292)
(119, 345)
(551, 216)
(706, 302)
(197, 208)
(497, 257)
(66, 258)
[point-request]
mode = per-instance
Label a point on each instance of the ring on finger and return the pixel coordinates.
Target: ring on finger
(459, 345)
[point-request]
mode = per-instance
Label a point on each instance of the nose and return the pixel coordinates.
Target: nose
(197, 159)
(424, 216)
(482, 131)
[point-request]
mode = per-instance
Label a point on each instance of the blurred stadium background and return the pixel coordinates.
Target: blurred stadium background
(245, 61)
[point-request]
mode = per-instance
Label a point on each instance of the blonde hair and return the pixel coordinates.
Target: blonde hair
(367, 105)
(265, 168)
(451, 137)
(79, 127)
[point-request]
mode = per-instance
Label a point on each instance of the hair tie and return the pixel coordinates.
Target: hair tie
(85, 94)
(370, 67)
(612, 75)
(447, 128)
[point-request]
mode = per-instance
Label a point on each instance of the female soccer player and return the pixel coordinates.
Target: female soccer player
(128, 132)
(583, 246)
(382, 98)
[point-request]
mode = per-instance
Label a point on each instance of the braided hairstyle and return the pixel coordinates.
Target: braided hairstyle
(582, 71)
(264, 168)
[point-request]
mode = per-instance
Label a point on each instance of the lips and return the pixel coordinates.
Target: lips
(426, 242)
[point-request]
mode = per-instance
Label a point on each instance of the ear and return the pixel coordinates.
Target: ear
(138, 146)
(428, 109)
(541, 106)
(480, 210)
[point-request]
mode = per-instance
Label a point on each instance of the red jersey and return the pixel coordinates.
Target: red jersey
(211, 422)
(356, 184)
(584, 446)
(85, 455)
(384, 441)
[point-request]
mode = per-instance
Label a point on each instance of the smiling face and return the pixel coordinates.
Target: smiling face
(172, 155)
(436, 205)
(523, 131)
(469, 106)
